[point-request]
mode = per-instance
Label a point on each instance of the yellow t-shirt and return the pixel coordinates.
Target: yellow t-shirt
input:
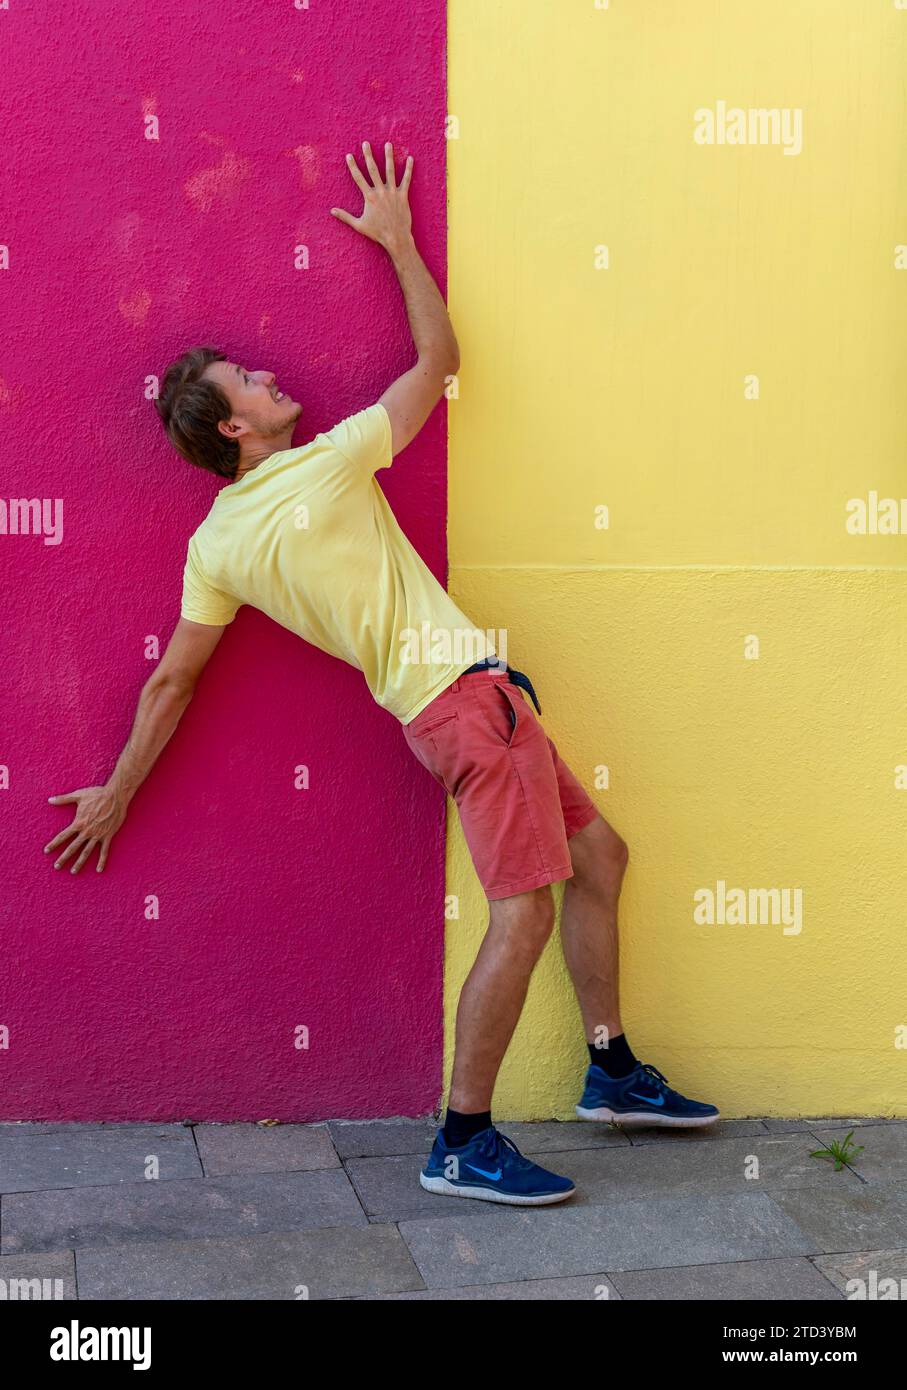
(308, 537)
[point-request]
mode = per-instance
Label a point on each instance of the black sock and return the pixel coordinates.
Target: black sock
(459, 1128)
(616, 1059)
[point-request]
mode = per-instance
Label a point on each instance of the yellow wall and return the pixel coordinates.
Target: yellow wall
(624, 387)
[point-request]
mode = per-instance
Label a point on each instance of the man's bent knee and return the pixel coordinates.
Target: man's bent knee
(617, 853)
(599, 857)
(527, 918)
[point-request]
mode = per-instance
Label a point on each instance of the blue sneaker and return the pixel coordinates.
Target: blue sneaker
(643, 1097)
(491, 1168)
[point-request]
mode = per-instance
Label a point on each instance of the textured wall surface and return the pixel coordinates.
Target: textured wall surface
(279, 908)
(627, 383)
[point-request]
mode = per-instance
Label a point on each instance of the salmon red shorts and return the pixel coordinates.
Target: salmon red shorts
(519, 803)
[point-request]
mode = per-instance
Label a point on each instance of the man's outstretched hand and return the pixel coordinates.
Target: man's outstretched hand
(99, 815)
(386, 217)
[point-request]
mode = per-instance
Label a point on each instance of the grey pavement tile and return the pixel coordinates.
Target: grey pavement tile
(868, 1269)
(177, 1210)
(582, 1288)
(884, 1156)
(249, 1148)
(561, 1241)
(685, 1170)
(872, 1216)
(721, 1129)
(377, 1138)
(21, 1127)
(37, 1278)
(389, 1190)
(555, 1136)
(340, 1262)
(774, 1280)
(824, 1122)
(389, 1187)
(95, 1157)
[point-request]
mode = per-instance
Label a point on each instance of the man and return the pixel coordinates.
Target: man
(306, 535)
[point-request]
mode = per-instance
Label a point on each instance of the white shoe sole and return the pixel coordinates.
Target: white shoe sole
(490, 1194)
(646, 1117)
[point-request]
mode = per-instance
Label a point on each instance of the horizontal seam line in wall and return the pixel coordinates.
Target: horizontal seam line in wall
(709, 569)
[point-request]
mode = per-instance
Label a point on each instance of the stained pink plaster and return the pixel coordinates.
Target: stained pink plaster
(309, 164)
(280, 909)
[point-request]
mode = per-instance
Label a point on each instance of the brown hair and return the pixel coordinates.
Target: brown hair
(191, 408)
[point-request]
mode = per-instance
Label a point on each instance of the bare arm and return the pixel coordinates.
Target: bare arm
(100, 811)
(386, 219)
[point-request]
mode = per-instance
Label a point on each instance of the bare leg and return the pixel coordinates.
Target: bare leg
(492, 998)
(589, 926)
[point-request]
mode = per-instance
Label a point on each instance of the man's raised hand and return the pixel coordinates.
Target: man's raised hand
(386, 217)
(99, 815)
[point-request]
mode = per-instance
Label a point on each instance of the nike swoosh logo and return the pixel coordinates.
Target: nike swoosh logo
(650, 1100)
(494, 1176)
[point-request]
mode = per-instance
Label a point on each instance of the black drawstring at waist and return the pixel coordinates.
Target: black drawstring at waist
(517, 677)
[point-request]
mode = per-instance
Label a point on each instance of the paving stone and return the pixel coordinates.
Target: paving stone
(824, 1122)
(248, 1148)
(584, 1288)
(775, 1280)
(722, 1129)
(389, 1190)
(177, 1210)
(884, 1156)
(557, 1136)
(558, 1241)
(870, 1267)
(21, 1127)
(872, 1216)
(94, 1157)
(377, 1138)
(684, 1170)
(37, 1278)
(389, 1187)
(341, 1262)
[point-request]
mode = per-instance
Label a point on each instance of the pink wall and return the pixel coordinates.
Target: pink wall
(279, 907)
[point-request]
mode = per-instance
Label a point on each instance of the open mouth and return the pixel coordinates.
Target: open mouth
(277, 395)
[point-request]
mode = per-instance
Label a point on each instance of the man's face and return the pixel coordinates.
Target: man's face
(259, 406)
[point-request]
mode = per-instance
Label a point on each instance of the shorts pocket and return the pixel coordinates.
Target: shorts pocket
(437, 723)
(503, 709)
